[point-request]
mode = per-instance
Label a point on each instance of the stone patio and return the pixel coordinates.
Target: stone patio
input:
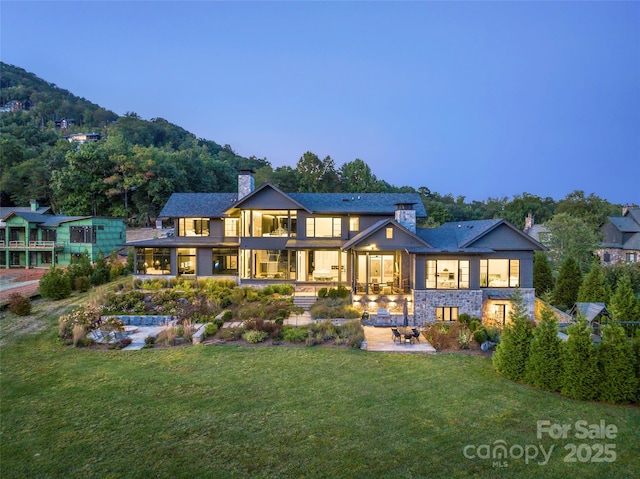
(380, 339)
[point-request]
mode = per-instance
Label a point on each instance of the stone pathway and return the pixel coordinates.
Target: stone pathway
(381, 340)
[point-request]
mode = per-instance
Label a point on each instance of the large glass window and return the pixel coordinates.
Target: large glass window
(231, 227)
(153, 261)
(447, 313)
(271, 264)
(447, 274)
(324, 227)
(187, 261)
(193, 227)
(269, 223)
(499, 273)
(82, 234)
(324, 265)
(225, 261)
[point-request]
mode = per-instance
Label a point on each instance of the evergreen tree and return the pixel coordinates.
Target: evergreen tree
(568, 285)
(581, 373)
(617, 366)
(100, 274)
(55, 284)
(624, 304)
(512, 352)
(594, 288)
(542, 276)
(544, 365)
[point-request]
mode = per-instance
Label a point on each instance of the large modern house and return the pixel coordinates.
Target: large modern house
(621, 237)
(32, 236)
(367, 242)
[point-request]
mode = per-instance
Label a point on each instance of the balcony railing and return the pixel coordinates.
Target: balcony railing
(31, 244)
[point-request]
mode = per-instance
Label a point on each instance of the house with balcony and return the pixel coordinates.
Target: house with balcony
(368, 242)
(32, 237)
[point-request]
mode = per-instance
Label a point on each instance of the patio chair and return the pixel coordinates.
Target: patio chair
(396, 335)
(416, 334)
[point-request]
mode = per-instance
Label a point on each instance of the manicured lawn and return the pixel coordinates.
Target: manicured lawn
(232, 411)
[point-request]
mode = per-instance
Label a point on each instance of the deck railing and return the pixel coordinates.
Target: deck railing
(31, 244)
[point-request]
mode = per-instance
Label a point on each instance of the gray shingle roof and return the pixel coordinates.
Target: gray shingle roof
(196, 205)
(7, 210)
(468, 231)
(210, 205)
(358, 203)
(626, 224)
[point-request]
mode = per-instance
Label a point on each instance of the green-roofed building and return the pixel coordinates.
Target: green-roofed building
(32, 237)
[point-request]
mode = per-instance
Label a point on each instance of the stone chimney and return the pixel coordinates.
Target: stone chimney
(406, 216)
(625, 209)
(528, 223)
(245, 183)
(34, 205)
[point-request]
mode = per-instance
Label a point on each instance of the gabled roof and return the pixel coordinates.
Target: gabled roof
(46, 220)
(377, 226)
(359, 203)
(590, 311)
(198, 205)
(634, 212)
(460, 236)
(260, 190)
(7, 210)
(626, 224)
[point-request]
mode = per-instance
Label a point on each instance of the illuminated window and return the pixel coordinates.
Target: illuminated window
(499, 273)
(448, 274)
(389, 232)
(354, 223)
(193, 227)
(447, 313)
(231, 227)
(324, 227)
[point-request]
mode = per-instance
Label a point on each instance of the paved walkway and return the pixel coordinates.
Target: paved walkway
(381, 339)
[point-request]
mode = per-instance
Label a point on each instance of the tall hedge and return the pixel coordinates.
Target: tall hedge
(544, 365)
(616, 359)
(568, 285)
(510, 357)
(624, 305)
(581, 374)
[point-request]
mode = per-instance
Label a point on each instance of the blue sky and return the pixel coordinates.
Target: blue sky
(480, 99)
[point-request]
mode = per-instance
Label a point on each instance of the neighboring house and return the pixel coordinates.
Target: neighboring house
(540, 233)
(621, 237)
(82, 138)
(33, 237)
(368, 242)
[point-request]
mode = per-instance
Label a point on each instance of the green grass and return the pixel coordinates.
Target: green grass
(233, 411)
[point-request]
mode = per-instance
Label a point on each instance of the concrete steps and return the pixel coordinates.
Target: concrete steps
(304, 301)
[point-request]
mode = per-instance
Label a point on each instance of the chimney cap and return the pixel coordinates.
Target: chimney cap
(246, 171)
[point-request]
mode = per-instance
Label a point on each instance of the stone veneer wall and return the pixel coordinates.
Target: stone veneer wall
(616, 255)
(472, 302)
(425, 303)
(502, 295)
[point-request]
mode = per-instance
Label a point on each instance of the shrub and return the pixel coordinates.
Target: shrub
(480, 335)
(19, 305)
(55, 284)
(230, 334)
(255, 336)
(323, 293)
(79, 332)
(227, 316)
(210, 329)
(149, 340)
(493, 334)
(168, 336)
(464, 319)
(464, 336)
(294, 335)
(82, 284)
